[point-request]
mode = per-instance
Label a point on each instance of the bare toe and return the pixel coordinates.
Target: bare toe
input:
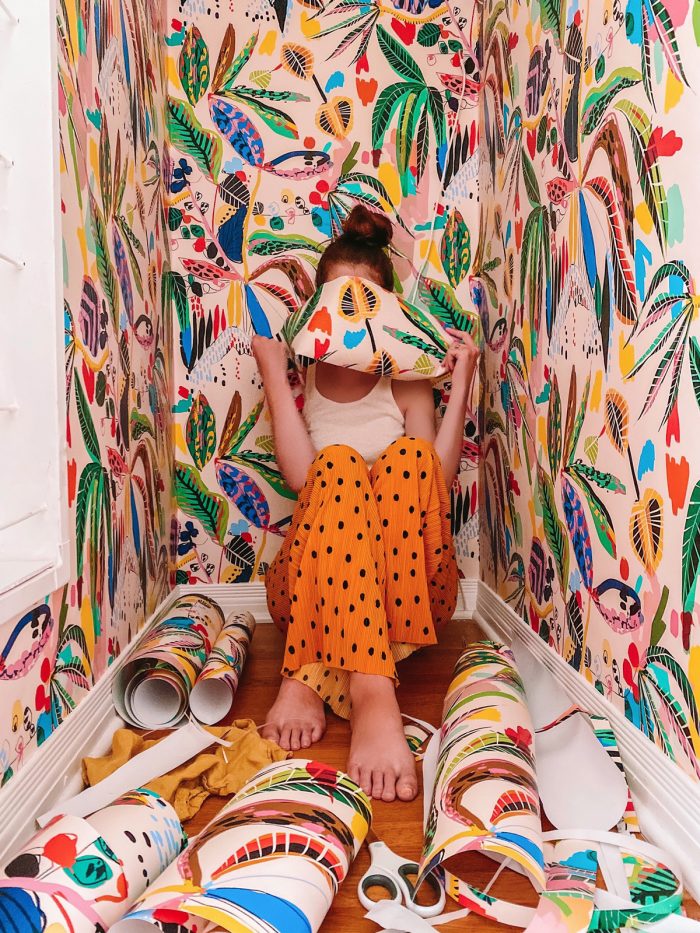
(285, 739)
(378, 786)
(271, 732)
(382, 759)
(297, 717)
(406, 788)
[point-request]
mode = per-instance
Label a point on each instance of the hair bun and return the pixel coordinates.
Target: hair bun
(363, 224)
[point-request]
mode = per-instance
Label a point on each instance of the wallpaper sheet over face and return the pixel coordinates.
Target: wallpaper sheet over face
(283, 116)
(590, 469)
(118, 347)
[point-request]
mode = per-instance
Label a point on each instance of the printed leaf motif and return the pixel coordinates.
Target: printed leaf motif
(590, 447)
(578, 421)
(189, 136)
(238, 129)
(241, 555)
(550, 11)
(440, 302)
(597, 477)
(194, 65)
(227, 70)
(397, 56)
(616, 420)
(663, 658)
(196, 500)
(244, 430)
(274, 478)
(86, 488)
(599, 98)
(601, 516)
(455, 248)
(690, 569)
(646, 530)
(694, 353)
(297, 60)
(105, 269)
(424, 365)
(262, 243)
(531, 185)
(578, 531)
(87, 428)
(223, 63)
(245, 494)
(554, 428)
(201, 431)
(231, 424)
(553, 527)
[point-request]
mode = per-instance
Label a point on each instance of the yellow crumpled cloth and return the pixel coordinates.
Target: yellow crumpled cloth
(218, 771)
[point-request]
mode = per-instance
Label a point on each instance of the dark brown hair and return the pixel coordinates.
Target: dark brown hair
(363, 242)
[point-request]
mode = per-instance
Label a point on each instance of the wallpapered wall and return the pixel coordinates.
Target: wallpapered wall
(118, 348)
(282, 116)
(591, 473)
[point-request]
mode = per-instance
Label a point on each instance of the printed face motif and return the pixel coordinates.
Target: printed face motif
(82, 875)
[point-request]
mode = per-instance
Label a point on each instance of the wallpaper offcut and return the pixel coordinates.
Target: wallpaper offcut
(283, 116)
(118, 347)
(588, 266)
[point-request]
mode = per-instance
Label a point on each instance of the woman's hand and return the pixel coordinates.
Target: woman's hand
(461, 357)
(271, 357)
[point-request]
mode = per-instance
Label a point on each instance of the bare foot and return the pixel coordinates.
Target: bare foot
(297, 718)
(380, 760)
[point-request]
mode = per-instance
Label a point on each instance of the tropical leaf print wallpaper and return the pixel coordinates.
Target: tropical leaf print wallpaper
(588, 268)
(281, 117)
(118, 345)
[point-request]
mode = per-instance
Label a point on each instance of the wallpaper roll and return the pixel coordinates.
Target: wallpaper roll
(78, 876)
(270, 862)
(484, 796)
(152, 689)
(356, 324)
(213, 693)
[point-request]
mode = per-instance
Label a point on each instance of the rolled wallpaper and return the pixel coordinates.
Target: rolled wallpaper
(270, 862)
(356, 324)
(482, 797)
(216, 686)
(152, 689)
(80, 876)
(484, 793)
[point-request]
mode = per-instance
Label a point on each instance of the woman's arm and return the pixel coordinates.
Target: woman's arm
(460, 359)
(293, 447)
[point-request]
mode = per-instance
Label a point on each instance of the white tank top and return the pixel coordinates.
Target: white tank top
(368, 424)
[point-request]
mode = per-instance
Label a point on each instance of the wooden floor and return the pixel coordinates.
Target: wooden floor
(424, 681)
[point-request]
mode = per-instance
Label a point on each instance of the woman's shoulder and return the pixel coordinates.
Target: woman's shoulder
(410, 392)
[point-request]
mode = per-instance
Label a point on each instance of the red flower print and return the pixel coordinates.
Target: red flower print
(520, 737)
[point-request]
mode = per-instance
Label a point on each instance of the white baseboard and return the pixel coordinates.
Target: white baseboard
(667, 799)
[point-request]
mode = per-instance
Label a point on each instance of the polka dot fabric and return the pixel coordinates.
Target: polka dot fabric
(368, 568)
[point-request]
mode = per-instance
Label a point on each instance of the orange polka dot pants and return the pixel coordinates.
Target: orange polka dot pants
(367, 570)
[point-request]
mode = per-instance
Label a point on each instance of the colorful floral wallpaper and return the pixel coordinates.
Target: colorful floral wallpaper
(588, 267)
(118, 346)
(281, 117)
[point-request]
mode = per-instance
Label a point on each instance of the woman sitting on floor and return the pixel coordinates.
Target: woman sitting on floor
(367, 570)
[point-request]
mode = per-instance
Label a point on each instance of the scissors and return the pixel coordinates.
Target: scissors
(393, 875)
